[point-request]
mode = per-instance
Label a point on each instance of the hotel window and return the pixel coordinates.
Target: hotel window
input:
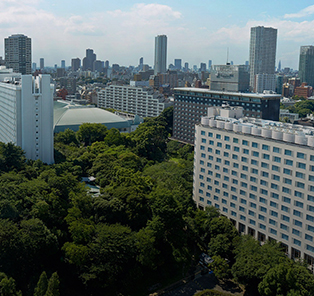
(265, 147)
(301, 165)
(288, 152)
(301, 155)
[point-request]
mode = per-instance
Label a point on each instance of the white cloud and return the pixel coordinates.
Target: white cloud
(302, 13)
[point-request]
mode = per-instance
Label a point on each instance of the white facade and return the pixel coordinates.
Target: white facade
(160, 65)
(26, 116)
(260, 174)
(136, 100)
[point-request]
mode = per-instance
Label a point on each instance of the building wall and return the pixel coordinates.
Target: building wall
(265, 186)
(263, 43)
(160, 65)
(306, 65)
(132, 99)
(191, 104)
(28, 116)
(18, 53)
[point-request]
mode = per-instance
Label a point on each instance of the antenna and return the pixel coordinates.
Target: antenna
(227, 55)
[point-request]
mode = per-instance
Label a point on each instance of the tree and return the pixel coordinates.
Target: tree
(67, 137)
(11, 157)
(8, 286)
(220, 267)
(42, 285)
(287, 278)
(253, 261)
(53, 285)
(89, 133)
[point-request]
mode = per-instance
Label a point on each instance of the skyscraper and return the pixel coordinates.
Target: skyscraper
(18, 53)
(63, 64)
(75, 64)
(306, 64)
(89, 60)
(178, 64)
(160, 65)
(262, 52)
(42, 63)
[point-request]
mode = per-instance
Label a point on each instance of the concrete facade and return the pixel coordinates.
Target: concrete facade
(260, 174)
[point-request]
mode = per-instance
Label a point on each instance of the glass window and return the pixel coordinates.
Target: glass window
(273, 213)
(274, 195)
(299, 185)
(227, 138)
(276, 159)
(203, 140)
(244, 159)
(297, 223)
(227, 146)
(265, 156)
(286, 190)
(284, 236)
(287, 171)
(265, 147)
(265, 174)
(275, 168)
(287, 181)
(234, 156)
(255, 154)
(286, 199)
(245, 143)
(262, 226)
(210, 135)
(218, 136)
(297, 213)
(236, 165)
(288, 162)
(276, 149)
(301, 155)
(309, 237)
(245, 151)
(301, 165)
(273, 204)
(254, 171)
(227, 162)
(285, 209)
(264, 165)
(235, 140)
(253, 179)
(254, 162)
(298, 204)
(288, 152)
(285, 218)
(254, 145)
(261, 217)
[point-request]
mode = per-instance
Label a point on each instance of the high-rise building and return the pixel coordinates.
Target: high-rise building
(160, 65)
(263, 44)
(192, 103)
(18, 53)
(306, 65)
(34, 67)
(26, 118)
(233, 78)
(63, 64)
(75, 64)
(260, 174)
(203, 67)
(178, 64)
(89, 60)
(42, 63)
(209, 64)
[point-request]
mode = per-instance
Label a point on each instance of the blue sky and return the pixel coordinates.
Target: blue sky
(122, 31)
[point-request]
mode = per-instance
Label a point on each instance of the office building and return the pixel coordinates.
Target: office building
(306, 65)
(75, 64)
(34, 67)
(265, 82)
(26, 115)
(192, 103)
(178, 64)
(144, 102)
(234, 78)
(263, 44)
(18, 53)
(160, 65)
(42, 63)
(98, 66)
(89, 60)
(260, 174)
(63, 64)
(203, 67)
(209, 64)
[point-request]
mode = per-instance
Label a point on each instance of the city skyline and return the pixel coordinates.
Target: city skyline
(124, 31)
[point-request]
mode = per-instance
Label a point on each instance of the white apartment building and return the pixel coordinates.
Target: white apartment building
(136, 100)
(260, 174)
(26, 115)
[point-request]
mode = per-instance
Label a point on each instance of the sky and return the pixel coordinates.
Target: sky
(122, 31)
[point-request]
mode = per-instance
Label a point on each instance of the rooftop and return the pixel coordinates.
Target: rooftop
(236, 94)
(231, 118)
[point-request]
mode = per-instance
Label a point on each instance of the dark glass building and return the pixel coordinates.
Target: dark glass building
(192, 103)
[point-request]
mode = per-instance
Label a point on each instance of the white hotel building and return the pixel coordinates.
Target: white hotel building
(260, 174)
(135, 100)
(26, 114)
